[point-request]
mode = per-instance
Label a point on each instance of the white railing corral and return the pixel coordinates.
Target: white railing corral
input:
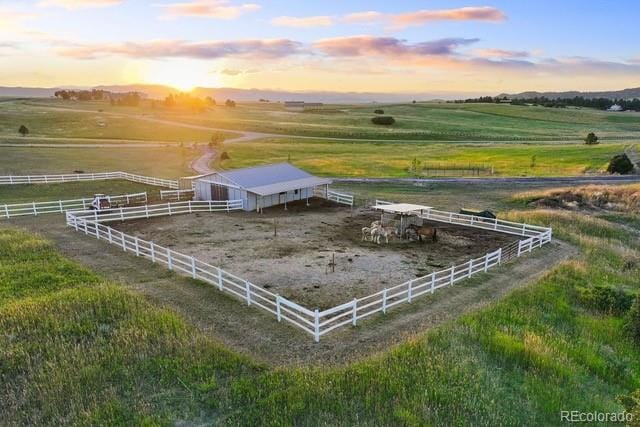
(60, 178)
(315, 322)
(61, 206)
(176, 194)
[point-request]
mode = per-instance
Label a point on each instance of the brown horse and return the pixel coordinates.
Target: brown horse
(424, 231)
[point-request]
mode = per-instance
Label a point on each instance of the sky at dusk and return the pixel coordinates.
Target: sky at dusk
(377, 46)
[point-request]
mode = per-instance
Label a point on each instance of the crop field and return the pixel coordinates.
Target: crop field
(70, 334)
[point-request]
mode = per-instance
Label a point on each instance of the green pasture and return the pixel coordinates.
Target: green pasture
(164, 162)
(393, 159)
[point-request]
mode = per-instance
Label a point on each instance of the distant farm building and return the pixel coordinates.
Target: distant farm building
(301, 105)
(615, 107)
(259, 187)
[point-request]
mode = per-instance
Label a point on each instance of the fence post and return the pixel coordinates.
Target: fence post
(220, 283)
(384, 300)
(524, 226)
(60, 204)
(146, 210)
(486, 262)
(470, 267)
(75, 222)
(169, 207)
(278, 308)
(499, 256)
(433, 282)
(121, 214)
(35, 211)
(169, 263)
(190, 211)
(409, 292)
(85, 227)
(519, 246)
(137, 245)
(6, 210)
(193, 267)
(354, 317)
(453, 267)
(153, 252)
(246, 286)
(97, 231)
(317, 326)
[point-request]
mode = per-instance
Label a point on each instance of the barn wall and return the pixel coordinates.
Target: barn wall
(277, 199)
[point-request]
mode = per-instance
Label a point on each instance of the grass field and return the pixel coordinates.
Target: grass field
(66, 336)
(72, 190)
(164, 162)
(70, 125)
(422, 121)
(393, 159)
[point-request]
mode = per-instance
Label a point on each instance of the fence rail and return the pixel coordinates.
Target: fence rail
(163, 209)
(315, 322)
(325, 193)
(59, 178)
(176, 194)
(61, 206)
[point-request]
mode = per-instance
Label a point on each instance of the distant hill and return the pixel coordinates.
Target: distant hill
(612, 94)
(329, 97)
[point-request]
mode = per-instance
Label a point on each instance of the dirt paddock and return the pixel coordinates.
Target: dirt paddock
(295, 262)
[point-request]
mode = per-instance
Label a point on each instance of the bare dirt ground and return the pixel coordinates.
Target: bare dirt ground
(257, 334)
(295, 263)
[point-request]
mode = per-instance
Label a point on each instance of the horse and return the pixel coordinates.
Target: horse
(384, 232)
(366, 231)
(424, 231)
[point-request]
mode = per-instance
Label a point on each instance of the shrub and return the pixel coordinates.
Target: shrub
(632, 326)
(383, 120)
(224, 156)
(621, 164)
(606, 299)
(378, 111)
(591, 139)
(230, 103)
(23, 130)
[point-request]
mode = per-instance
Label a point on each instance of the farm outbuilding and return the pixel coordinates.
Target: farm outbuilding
(259, 187)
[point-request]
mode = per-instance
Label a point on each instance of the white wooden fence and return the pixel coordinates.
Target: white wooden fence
(176, 194)
(343, 198)
(61, 206)
(282, 308)
(162, 209)
(51, 179)
(314, 322)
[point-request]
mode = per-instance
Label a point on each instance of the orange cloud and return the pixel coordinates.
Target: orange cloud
(218, 9)
(501, 53)
(388, 46)
(420, 17)
(306, 22)
(363, 17)
(79, 4)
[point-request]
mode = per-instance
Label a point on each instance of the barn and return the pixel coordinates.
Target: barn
(259, 187)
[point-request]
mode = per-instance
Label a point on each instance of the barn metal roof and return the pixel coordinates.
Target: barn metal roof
(272, 179)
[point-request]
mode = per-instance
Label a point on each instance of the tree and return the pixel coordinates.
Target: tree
(224, 156)
(383, 120)
(378, 111)
(230, 103)
(591, 139)
(621, 164)
(23, 130)
(632, 325)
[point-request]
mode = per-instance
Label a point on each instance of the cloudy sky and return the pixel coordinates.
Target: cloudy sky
(337, 45)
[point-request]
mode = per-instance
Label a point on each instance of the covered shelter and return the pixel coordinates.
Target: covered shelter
(261, 186)
(406, 211)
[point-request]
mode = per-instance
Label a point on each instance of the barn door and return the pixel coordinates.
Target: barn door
(219, 192)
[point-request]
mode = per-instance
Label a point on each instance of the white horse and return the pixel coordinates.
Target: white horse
(385, 232)
(366, 233)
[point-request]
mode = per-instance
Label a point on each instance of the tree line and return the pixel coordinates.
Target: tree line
(576, 101)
